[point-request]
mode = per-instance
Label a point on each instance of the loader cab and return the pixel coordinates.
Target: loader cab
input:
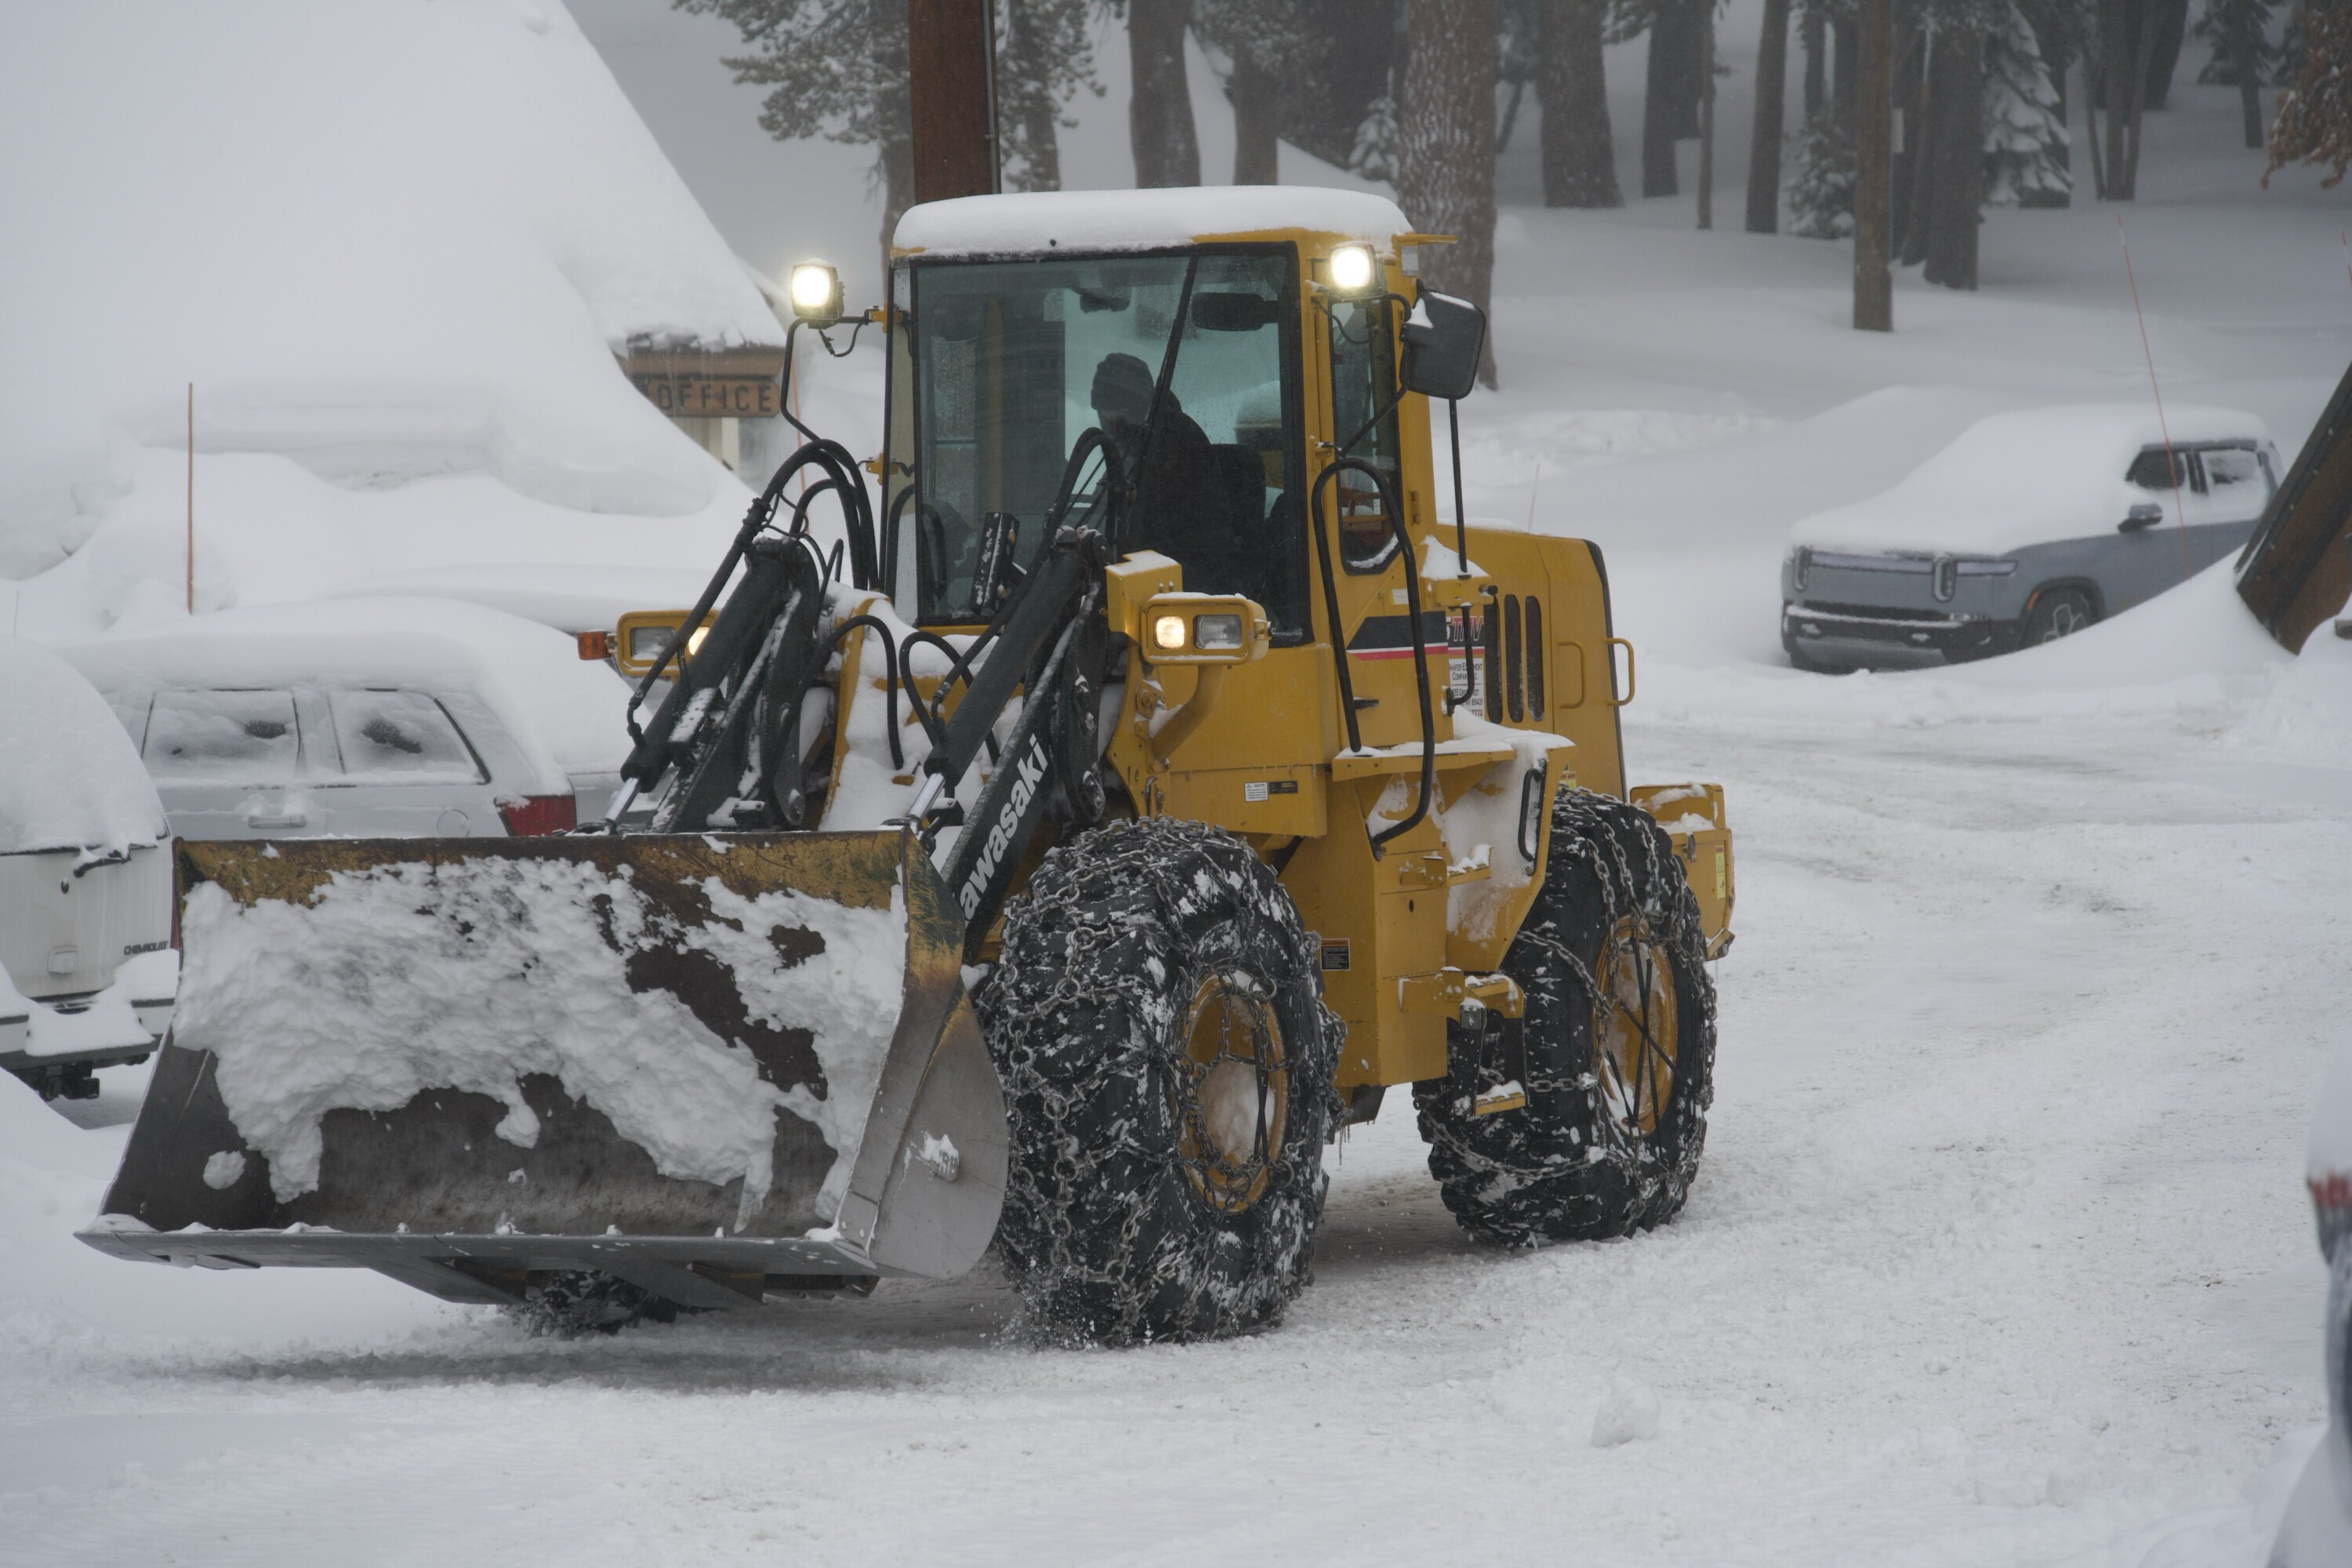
(1187, 360)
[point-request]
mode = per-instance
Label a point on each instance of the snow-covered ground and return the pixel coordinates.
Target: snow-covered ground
(2001, 1254)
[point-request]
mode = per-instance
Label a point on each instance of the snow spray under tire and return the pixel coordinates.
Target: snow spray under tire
(1157, 1023)
(1620, 1030)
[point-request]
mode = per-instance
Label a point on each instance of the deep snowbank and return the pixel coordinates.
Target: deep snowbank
(393, 246)
(68, 777)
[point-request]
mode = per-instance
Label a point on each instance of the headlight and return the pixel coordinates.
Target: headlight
(1354, 269)
(1168, 632)
(815, 290)
(1216, 631)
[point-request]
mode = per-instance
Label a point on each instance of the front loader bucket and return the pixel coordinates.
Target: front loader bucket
(712, 1066)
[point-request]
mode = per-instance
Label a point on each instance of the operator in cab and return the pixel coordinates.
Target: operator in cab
(1167, 497)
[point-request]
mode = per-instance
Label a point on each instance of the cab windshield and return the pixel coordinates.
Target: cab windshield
(1186, 363)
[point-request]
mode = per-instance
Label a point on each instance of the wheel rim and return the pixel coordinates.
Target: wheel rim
(1229, 1095)
(1636, 1029)
(2067, 619)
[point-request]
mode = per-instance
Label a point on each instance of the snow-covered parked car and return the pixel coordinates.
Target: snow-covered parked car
(2316, 1532)
(87, 975)
(379, 718)
(2031, 526)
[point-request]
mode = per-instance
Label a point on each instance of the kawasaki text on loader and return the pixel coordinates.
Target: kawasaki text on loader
(1143, 787)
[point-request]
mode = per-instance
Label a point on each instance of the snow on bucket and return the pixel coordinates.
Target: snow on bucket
(747, 1041)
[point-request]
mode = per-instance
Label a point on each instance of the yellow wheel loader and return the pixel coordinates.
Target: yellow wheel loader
(1118, 810)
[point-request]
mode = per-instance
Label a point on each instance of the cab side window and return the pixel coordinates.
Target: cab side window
(2149, 470)
(2234, 475)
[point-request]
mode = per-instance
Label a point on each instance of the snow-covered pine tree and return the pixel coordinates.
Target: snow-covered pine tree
(2313, 124)
(1374, 155)
(1821, 191)
(2025, 140)
(2243, 56)
(837, 69)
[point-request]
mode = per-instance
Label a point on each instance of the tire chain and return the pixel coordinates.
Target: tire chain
(1589, 832)
(1102, 956)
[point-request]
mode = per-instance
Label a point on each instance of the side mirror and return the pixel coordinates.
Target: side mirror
(1442, 339)
(2143, 515)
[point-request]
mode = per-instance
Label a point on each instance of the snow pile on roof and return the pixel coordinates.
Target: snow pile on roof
(564, 714)
(395, 247)
(1137, 220)
(2023, 477)
(68, 777)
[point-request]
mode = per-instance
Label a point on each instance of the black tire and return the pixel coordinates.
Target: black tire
(1601, 1148)
(579, 1301)
(2055, 612)
(1125, 1219)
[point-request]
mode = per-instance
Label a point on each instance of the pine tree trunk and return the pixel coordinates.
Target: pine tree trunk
(2245, 42)
(1772, 108)
(1847, 72)
(1159, 105)
(896, 156)
(2091, 130)
(1873, 284)
(1253, 89)
(1580, 157)
(2119, 43)
(1446, 147)
(1659, 103)
(2139, 102)
(1956, 94)
(1913, 169)
(1707, 118)
(1817, 44)
(2169, 22)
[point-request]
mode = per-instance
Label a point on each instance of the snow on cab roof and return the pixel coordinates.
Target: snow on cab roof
(68, 777)
(2023, 477)
(1140, 220)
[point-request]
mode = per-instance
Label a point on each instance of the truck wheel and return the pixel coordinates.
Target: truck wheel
(2055, 612)
(1156, 1019)
(1620, 1047)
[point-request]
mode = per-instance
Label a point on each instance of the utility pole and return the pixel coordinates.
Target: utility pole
(1873, 284)
(951, 92)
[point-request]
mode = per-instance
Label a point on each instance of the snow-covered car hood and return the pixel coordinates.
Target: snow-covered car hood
(2023, 477)
(563, 713)
(68, 777)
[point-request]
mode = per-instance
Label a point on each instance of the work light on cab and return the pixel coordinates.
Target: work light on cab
(1354, 269)
(815, 290)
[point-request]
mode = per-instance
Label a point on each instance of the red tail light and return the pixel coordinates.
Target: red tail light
(537, 814)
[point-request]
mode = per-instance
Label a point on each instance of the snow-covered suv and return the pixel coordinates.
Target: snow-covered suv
(2029, 526)
(87, 975)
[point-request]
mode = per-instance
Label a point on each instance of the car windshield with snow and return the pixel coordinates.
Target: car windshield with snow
(295, 723)
(2031, 526)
